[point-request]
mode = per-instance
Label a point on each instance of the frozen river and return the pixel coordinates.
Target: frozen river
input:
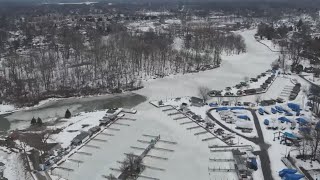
(57, 108)
(233, 69)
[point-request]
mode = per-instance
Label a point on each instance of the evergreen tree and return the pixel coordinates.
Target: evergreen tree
(33, 121)
(67, 114)
(39, 121)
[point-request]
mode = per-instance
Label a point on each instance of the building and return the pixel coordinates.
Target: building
(94, 130)
(105, 121)
(83, 136)
(198, 102)
(112, 113)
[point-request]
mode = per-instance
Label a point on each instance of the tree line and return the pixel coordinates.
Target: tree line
(46, 56)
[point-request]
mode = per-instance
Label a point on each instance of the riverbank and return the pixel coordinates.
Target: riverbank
(51, 110)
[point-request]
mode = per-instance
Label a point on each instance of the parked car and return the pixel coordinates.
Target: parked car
(228, 94)
(280, 100)
(238, 86)
(253, 80)
(243, 83)
(239, 92)
(228, 88)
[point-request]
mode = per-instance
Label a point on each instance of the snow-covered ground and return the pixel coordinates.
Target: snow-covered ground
(190, 159)
(72, 127)
(14, 169)
(233, 69)
(6, 108)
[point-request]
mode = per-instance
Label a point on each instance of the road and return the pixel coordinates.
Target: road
(263, 153)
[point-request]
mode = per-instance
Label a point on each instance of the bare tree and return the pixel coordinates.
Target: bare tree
(315, 142)
(257, 99)
(219, 100)
(236, 99)
(131, 166)
(203, 93)
(111, 177)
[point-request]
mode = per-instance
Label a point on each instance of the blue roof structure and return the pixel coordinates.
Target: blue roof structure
(237, 108)
(294, 107)
(213, 104)
(302, 121)
(261, 111)
(284, 119)
(283, 172)
(290, 135)
(222, 109)
(245, 117)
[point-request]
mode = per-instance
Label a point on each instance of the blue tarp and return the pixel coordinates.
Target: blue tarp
(237, 108)
(290, 135)
(254, 164)
(266, 122)
(288, 113)
(273, 110)
(293, 176)
(302, 121)
(279, 109)
(261, 111)
(284, 119)
(213, 104)
(244, 117)
(222, 109)
(294, 107)
(283, 172)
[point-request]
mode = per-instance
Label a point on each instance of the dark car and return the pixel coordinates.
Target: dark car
(254, 80)
(238, 86)
(225, 103)
(280, 100)
(228, 94)
(239, 92)
(243, 83)
(218, 93)
(228, 88)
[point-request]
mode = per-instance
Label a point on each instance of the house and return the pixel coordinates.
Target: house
(105, 121)
(83, 136)
(94, 130)
(112, 113)
(198, 102)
